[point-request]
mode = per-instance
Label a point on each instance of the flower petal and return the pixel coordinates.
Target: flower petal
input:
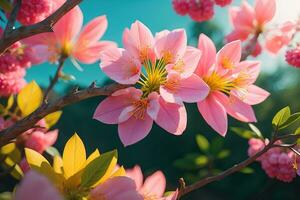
(254, 95)
(155, 184)
(264, 10)
(208, 50)
(68, 27)
(238, 109)
(172, 117)
(214, 113)
(109, 110)
(138, 40)
(171, 46)
(120, 66)
(36, 186)
(137, 175)
(91, 54)
(134, 130)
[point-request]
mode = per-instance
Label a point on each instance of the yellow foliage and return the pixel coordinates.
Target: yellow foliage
(52, 118)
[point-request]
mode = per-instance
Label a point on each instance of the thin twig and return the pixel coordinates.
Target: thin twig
(41, 27)
(237, 167)
(28, 122)
(250, 47)
(12, 18)
(55, 78)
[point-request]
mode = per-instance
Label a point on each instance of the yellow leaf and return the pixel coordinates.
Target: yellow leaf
(30, 98)
(52, 118)
(7, 149)
(16, 171)
(120, 172)
(37, 162)
(74, 156)
(11, 151)
(58, 164)
(92, 157)
(10, 102)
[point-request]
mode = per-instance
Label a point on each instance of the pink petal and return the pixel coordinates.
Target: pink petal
(214, 113)
(208, 49)
(264, 10)
(109, 110)
(36, 186)
(134, 130)
(93, 31)
(238, 109)
(172, 196)
(136, 174)
(172, 117)
(254, 95)
(188, 64)
(244, 19)
(155, 184)
(190, 90)
(91, 54)
(153, 107)
(248, 71)
(238, 34)
(171, 46)
(120, 66)
(117, 188)
(67, 28)
(138, 40)
(51, 137)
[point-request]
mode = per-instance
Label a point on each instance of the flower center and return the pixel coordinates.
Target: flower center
(66, 49)
(226, 63)
(140, 108)
(219, 83)
(153, 77)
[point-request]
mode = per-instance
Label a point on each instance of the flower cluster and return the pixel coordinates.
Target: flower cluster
(278, 163)
(292, 56)
(198, 10)
(13, 65)
(162, 69)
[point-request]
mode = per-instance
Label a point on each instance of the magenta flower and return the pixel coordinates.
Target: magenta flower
(36, 186)
(69, 39)
(231, 83)
(117, 188)
(153, 187)
(163, 70)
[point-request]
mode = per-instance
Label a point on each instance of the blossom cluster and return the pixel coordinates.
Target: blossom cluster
(277, 162)
(198, 10)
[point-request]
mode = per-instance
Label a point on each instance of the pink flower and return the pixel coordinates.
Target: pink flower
(248, 20)
(40, 141)
(181, 6)
(201, 10)
(153, 187)
(117, 188)
(69, 39)
(163, 69)
(223, 3)
(231, 82)
(36, 186)
(12, 82)
(279, 37)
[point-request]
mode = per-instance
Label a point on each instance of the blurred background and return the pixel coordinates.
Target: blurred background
(180, 156)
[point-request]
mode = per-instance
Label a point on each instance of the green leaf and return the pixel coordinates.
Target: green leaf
(292, 119)
(281, 117)
(223, 154)
(244, 133)
(247, 170)
(97, 168)
(202, 143)
(216, 145)
(297, 131)
(256, 131)
(6, 6)
(201, 161)
(188, 162)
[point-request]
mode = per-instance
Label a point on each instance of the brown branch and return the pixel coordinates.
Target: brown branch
(56, 77)
(12, 18)
(236, 167)
(41, 27)
(28, 122)
(250, 47)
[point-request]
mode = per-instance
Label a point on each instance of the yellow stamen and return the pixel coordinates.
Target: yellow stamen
(219, 83)
(226, 63)
(140, 108)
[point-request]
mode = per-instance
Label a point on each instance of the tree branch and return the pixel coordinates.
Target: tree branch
(75, 96)
(56, 77)
(250, 47)
(236, 167)
(12, 18)
(41, 27)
